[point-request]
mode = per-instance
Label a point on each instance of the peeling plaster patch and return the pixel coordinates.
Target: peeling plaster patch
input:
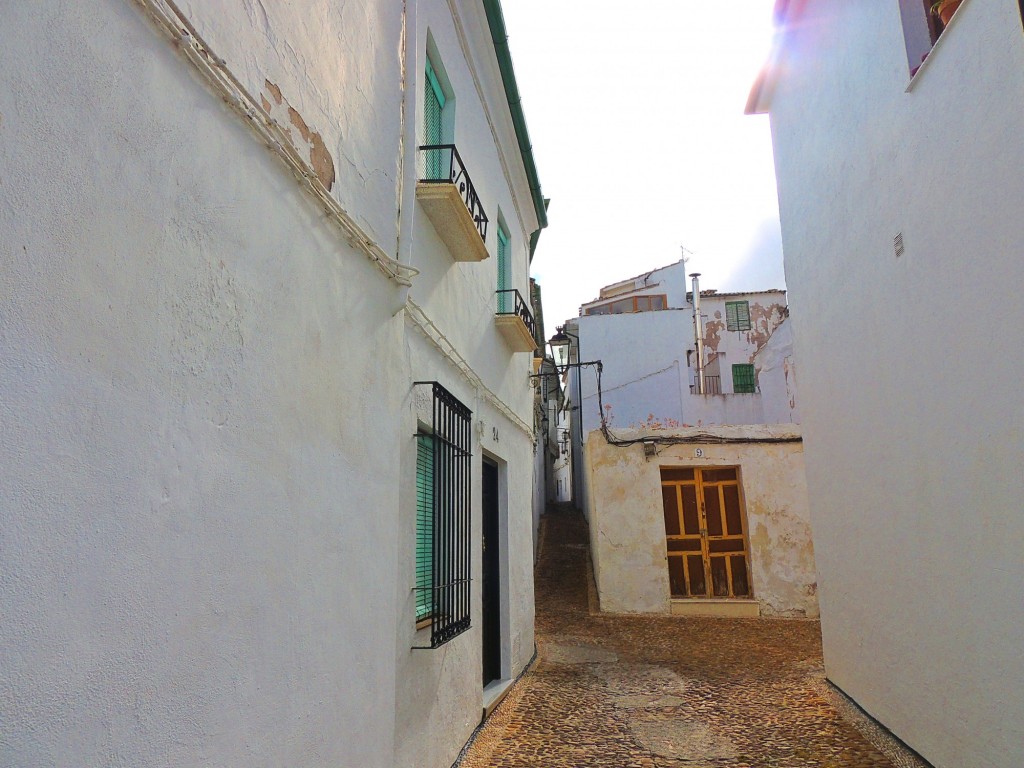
(713, 333)
(319, 157)
(309, 140)
(763, 321)
(274, 91)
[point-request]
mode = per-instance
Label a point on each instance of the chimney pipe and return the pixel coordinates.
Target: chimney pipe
(698, 335)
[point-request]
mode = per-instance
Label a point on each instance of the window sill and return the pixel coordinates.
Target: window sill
(453, 222)
(515, 332)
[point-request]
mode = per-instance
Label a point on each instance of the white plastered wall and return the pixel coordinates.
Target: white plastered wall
(439, 691)
(193, 509)
(440, 699)
(912, 413)
(776, 377)
(206, 495)
(627, 522)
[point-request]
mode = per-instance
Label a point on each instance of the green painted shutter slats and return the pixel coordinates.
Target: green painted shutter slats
(433, 103)
(424, 525)
(505, 300)
(435, 85)
(737, 316)
(743, 381)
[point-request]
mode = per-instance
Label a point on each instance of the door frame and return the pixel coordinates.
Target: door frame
(499, 589)
(704, 536)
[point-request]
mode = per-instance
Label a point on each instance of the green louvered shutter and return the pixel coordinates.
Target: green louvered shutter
(424, 525)
(505, 300)
(743, 382)
(434, 100)
(737, 316)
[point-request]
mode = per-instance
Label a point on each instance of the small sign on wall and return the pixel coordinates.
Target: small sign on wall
(698, 453)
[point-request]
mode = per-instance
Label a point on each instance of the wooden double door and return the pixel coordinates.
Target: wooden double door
(705, 532)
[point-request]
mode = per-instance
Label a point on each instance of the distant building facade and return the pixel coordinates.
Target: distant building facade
(696, 500)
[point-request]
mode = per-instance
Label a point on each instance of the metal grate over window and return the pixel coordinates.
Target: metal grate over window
(443, 471)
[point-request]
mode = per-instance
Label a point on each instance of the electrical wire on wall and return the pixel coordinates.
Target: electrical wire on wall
(177, 27)
(697, 437)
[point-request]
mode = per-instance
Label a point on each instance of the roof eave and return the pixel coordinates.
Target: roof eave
(499, 38)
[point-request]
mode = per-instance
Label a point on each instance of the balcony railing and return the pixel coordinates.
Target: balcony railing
(712, 386)
(511, 302)
(515, 322)
(441, 164)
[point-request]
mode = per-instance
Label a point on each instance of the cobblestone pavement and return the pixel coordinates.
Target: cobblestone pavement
(631, 691)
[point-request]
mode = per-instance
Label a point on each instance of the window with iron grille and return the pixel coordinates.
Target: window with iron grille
(743, 379)
(737, 316)
(443, 471)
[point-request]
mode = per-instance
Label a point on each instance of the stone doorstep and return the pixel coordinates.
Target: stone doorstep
(494, 692)
(722, 608)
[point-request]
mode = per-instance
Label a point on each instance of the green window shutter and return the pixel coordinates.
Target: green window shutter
(743, 381)
(435, 85)
(433, 103)
(424, 525)
(737, 316)
(505, 300)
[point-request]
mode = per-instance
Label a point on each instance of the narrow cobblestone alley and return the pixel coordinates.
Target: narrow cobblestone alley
(613, 690)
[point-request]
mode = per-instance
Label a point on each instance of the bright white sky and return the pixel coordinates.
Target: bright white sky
(636, 117)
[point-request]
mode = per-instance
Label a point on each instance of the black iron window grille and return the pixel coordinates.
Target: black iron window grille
(510, 302)
(441, 164)
(443, 558)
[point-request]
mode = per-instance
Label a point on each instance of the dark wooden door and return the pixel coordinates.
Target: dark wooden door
(705, 531)
(491, 619)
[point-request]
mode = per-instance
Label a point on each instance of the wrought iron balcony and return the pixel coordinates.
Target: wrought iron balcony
(451, 202)
(515, 321)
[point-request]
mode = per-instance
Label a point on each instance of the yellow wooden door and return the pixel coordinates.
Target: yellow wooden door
(705, 532)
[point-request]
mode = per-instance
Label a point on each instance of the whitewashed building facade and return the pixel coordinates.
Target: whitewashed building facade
(261, 402)
(693, 485)
(899, 164)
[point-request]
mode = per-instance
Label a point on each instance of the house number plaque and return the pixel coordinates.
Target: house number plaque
(698, 452)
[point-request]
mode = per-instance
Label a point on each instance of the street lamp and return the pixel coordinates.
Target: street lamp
(560, 345)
